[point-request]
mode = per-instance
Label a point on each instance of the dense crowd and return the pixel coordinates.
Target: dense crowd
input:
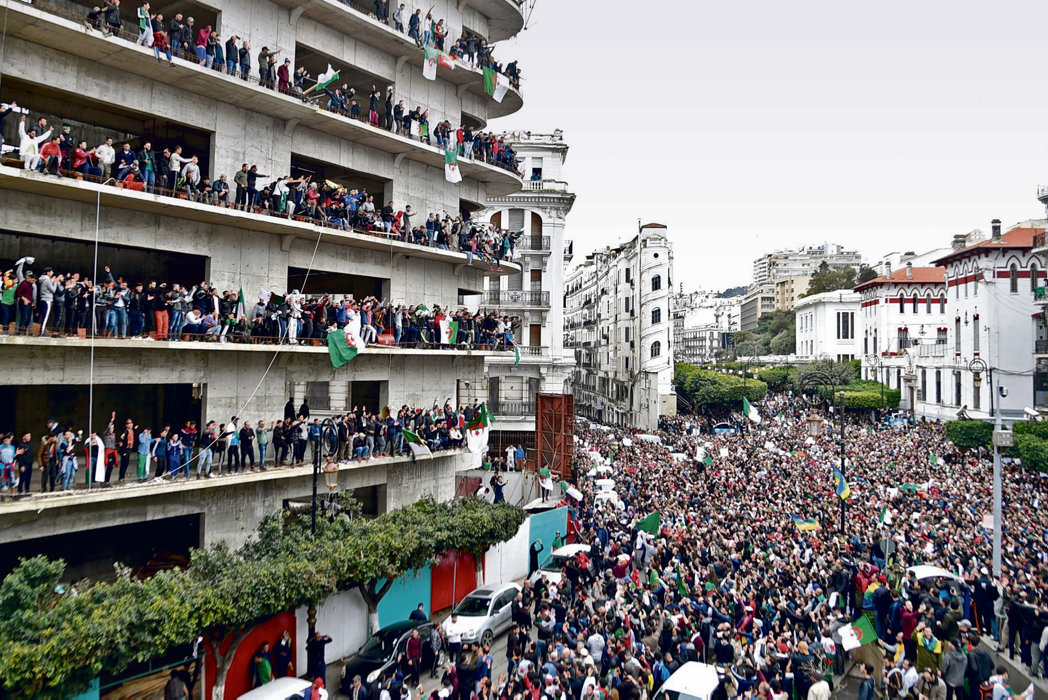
(130, 452)
(728, 550)
(68, 304)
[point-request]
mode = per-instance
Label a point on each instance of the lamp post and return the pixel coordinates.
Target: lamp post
(1000, 438)
(821, 379)
(875, 362)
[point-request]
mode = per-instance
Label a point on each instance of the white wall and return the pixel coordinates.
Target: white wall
(344, 617)
(508, 561)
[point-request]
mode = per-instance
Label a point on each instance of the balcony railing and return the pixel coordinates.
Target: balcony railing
(516, 297)
(1040, 347)
(514, 408)
(936, 350)
(533, 243)
(545, 186)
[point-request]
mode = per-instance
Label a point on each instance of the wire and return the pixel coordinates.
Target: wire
(3, 37)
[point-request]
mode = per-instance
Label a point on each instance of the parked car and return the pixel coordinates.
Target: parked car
(380, 652)
(692, 681)
(483, 614)
(280, 689)
(553, 570)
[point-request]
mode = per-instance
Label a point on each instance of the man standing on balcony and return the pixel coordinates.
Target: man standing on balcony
(105, 153)
(145, 27)
(398, 18)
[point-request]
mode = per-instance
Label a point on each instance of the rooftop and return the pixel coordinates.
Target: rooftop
(915, 275)
(1019, 238)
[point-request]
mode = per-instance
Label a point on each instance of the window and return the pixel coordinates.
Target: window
(975, 335)
(957, 335)
(928, 301)
(1013, 278)
(902, 305)
(656, 283)
(957, 388)
(516, 219)
(845, 325)
(942, 303)
(627, 275)
(976, 398)
(924, 385)
(866, 343)
(656, 315)
(940, 337)
(904, 339)
(656, 349)
(938, 386)
(915, 303)
(875, 346)
(1034, 277)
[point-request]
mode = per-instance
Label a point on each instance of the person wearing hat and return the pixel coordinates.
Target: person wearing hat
(284, 76)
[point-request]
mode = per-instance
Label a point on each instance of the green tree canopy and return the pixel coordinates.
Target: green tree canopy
(830, 279)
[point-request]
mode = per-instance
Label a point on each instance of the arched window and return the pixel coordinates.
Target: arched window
(915, 302)
(928, 301)
(1013, 278)
(656, 315)
(1035, 277)
(656, 283)
(902, 304)
(656, 349)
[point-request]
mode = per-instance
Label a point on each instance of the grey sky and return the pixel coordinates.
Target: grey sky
(749, 126)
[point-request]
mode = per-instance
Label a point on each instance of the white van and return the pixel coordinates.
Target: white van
(280, 689)
(692, 681)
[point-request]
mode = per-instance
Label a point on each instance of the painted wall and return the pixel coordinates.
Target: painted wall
(544, 526)
(238, 681)
(452, 579)
(344, 617)
(404, 596)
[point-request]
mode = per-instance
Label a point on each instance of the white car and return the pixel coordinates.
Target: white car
(553, 570)
(483, 614)
(692, 681)
(606, 497)
(280, 689)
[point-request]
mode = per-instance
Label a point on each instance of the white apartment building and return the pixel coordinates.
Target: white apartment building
(795, 262)
(828, 325)
(536, 296)
(759, 300)
(619, 325)
(702, 324)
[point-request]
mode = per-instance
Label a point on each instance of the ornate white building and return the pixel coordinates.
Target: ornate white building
(536, 295)
(619, 324)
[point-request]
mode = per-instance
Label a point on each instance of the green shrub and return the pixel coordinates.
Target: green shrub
(1038, 429)
(777, 378)
(969, 434)
(1033, 451)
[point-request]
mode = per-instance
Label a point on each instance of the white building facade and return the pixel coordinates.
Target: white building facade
(828, 325)
(535, 296)
(619, 325)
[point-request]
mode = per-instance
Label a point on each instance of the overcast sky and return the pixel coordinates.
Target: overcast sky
(750, 126)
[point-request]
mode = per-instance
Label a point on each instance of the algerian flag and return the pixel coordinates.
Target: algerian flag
(495, 84)
(100, 460)
(448, 332)
(451, 167)
(429, 65)
(885, 516)
(750, 411)
(650, 524)
(241, 310)
(344, 345)
(326, 78)
(933, 459)
(682, 587)
(418, 447)
(416, 129)
(446, 60)
(477, 431)
(859, 634)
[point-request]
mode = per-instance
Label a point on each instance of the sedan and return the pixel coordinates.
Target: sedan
(483, 614)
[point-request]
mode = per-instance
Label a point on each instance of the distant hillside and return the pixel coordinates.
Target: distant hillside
(732, 292)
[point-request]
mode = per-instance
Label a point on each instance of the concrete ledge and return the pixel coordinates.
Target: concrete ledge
(198, 345)
(30, 182)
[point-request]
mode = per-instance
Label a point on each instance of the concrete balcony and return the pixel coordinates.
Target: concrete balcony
(533, 244)
(529, 354)
(569, 251)
(39, 185)
(353, 19)
(516, 298)
(199, 346)
(1040, 347)
(49, 26)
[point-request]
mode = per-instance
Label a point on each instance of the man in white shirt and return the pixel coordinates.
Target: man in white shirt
(511, 460)
(106, 155)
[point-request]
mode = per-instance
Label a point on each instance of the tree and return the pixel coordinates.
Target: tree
(785, 343)
(56, 639)
(822, 377)
(830, 279)
(866, 273)
(969, 434)
(706, 387)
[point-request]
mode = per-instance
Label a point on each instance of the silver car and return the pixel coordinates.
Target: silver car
(483, 614)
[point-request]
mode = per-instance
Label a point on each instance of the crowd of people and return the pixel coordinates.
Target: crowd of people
(728, 550)
(171, 172)
(131, 452)
(69, 304)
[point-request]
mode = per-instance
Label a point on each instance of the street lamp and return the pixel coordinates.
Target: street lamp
(815, 380)
(977, 366)
(875, 362)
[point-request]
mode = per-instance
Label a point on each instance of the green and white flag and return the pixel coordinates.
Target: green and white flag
(344, 345)
(750, 411)
(418, 447)
(516, 355)
(429, 65)
(451, 167)
(495, 84)
(885, 516)
(326, 78)
(241, 310)
(477, 430)
(449, 332)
